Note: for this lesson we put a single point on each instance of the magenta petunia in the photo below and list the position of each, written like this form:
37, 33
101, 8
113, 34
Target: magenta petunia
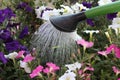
117, 52
116, 70
110, 48
51, 68
20, 54
104, 53
118, 79
36, 71
46, 70
85, 43
89, 68
28, 58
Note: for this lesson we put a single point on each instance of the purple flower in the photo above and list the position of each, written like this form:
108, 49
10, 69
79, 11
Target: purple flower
111, 16
2, 17
2, 58
21, 5
22, 47
25, 6
28, 9
5, 35
90, 22
12, 46
87, 4
24, 32
6, 13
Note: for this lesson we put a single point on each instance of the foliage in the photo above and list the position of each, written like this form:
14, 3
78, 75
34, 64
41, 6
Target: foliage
18, 24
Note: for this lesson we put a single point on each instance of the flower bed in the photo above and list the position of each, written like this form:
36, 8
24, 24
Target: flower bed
98, 52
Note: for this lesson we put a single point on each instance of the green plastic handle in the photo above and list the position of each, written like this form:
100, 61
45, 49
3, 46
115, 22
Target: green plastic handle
102, 10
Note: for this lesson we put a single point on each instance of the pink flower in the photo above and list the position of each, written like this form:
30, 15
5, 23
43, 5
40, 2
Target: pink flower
85, 43
118, 79
117, 52
116, 70
46, 70
86, 76
28, 58
104, 53
51, 68
89, 68
36, 71
20, 54
110, 48
80, 72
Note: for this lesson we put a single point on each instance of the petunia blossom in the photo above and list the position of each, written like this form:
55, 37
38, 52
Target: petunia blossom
117, 52
87, 4
73, 67
84, 43
47, 14
110, 48
25, 6
25, 66
6, 13
89, 68
80, 72
90, 22
103, 2
11, 55
5, 35
68, 76
28, 58
24, 32
118, 79
111, 16
91, 31
116, 70
51, 68
104, 53
12, 46
67, 9
2, 58
78, 7
20, 54
115, 25
36, 71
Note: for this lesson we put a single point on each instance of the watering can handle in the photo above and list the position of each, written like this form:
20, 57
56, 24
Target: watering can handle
104, 9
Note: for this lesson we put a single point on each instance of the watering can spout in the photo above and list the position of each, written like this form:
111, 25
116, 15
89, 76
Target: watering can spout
68, 23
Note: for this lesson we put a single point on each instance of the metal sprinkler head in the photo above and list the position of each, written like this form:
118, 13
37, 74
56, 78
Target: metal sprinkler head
67, 23
55, 40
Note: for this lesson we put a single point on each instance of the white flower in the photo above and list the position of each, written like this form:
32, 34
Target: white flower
115, 25
39, 10
91, 31
78, 7
48, 14
67, 9
25, 66
73, 67
103, 2
116, 20
68, 76
11, 55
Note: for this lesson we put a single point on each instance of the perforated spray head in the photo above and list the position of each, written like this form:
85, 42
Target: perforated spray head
68, 23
